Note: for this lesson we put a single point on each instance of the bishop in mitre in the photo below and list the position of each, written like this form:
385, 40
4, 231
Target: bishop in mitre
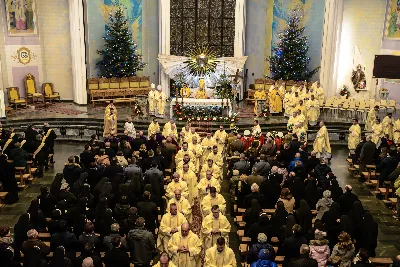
220, 255
185, 247
110, 120
161, 102
354, 135
214, 225
190, 178
170, 224
154, 127
182, 205
211, 200
176, 183
152, 99
321, 143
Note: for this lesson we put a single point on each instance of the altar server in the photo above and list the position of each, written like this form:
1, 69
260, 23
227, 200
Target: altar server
185, 247
130, 128
214, 225
170, 224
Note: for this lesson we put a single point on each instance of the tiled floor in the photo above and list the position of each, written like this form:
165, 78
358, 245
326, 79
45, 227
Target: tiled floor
389, 231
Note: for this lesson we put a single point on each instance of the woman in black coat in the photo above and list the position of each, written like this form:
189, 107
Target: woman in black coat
312, 193
336, 190
21, 228
304, 216
369, 237
8, 181
298, 190
331, 223
59, 259
278, 219
346, 225
104, 225
56, 185
36, 216
48, 202
356, 215
252, 214
263, 226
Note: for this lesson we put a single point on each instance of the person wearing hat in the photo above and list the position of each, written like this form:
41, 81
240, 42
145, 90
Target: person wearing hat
152, 99
371, 117
160, 100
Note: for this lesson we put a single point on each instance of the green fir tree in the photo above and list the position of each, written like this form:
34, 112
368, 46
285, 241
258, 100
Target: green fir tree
289, 60
120, 56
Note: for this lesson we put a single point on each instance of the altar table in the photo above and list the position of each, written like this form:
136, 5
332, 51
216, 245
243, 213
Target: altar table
200, 102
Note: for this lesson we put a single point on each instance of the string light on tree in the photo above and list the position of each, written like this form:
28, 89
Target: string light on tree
120, 56
289, 60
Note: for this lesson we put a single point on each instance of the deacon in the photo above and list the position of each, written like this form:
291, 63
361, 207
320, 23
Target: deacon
152, 99
214, 225
220, 137
176, 184
170, 224
321, 143
206, 183
220, 255
354, 136
182, 204
130, 128
190, 178
161, 101
211, 200
388, 123
185, 247
154, 127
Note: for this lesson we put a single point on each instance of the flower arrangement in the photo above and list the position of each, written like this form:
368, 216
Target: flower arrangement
201, 113
344, 91
223, 88
290, 128
136, 110
265, 113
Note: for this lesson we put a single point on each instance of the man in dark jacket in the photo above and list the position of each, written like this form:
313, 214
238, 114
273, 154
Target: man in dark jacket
134, 173
368, 152
107, 241
141, 244
32, 242
117, 257
88, 236
155, 177
71, 171
322, 169
346, 200
148, 210
291, 245
66, 239
109, 151
137, 142
243, 166
304, 260
255, 194
50, 137
19, 156
237, 145
312, 162
387, 166
263, 168
87, 156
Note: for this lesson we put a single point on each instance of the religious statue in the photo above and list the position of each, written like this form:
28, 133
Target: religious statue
110, 120
185, 91
201, 93
358, 78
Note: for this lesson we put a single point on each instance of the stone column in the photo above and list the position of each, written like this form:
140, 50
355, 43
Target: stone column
78, 51
164, 40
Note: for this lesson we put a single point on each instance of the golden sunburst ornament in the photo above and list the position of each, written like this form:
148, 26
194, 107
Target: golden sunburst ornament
202, 61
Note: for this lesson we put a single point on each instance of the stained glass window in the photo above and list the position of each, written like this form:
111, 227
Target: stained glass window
196, 23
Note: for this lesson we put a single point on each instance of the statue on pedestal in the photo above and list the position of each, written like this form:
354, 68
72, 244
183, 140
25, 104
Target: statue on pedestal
110, 120
358, 78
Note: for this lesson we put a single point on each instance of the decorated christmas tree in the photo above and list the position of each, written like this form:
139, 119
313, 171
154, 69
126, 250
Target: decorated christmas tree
289, 60
120, 55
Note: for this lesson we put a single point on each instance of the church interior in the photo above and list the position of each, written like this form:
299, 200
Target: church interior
200, 133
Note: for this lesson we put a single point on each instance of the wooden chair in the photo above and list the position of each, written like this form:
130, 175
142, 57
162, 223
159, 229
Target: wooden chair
134, 82
14, 98
124, 83
114, 83
104, 83
93, 84
49, 93
30, 89
144, 82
